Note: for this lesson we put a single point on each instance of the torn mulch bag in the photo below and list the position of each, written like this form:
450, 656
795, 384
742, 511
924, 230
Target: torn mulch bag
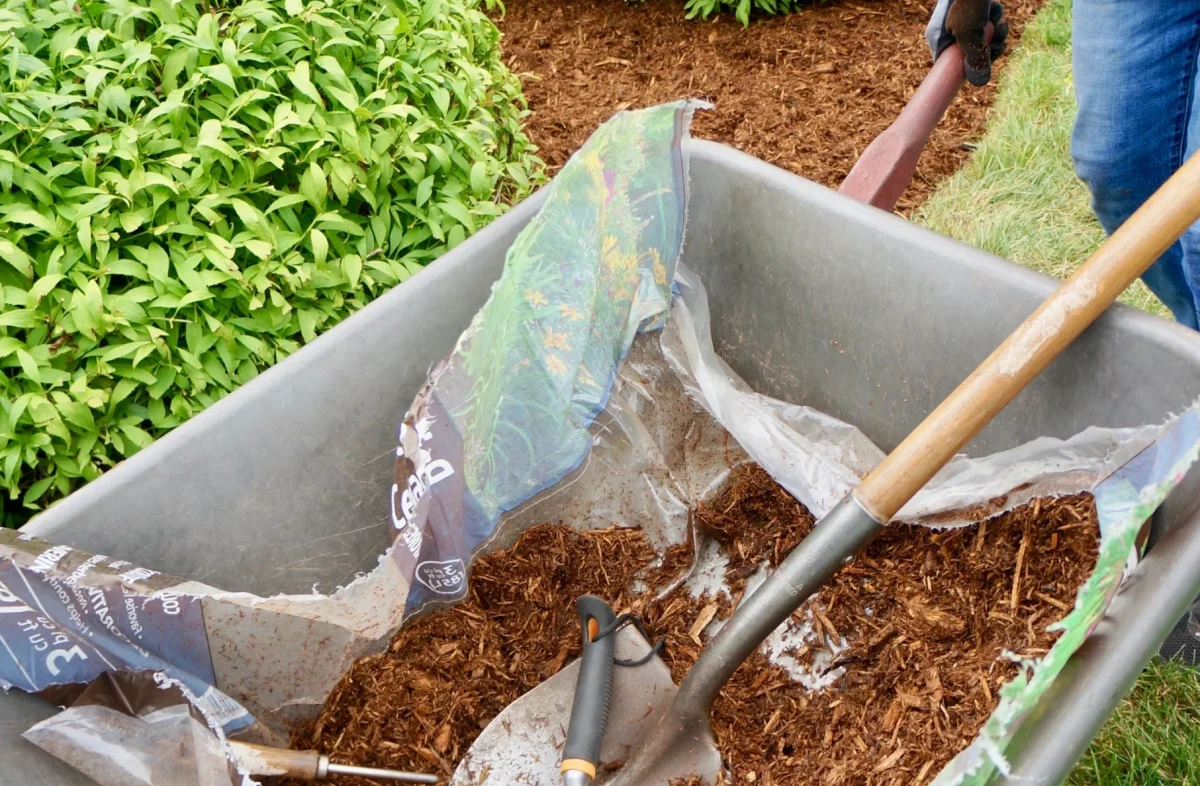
586, 391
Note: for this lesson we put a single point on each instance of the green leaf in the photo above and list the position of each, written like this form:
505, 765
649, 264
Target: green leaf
136, 435
301, 78
36, 490
114, 101
458, 212
223, 246
164, 382
189, 358
338, 223
95, 300
221, 73
210, 137
44, 285
18, 408
91, 83
78, 414
249, 216
308, 322
138, 374
29, 366
479, 179
206, 31
174, 65
84, 235
260, 248
286, 200
252, 343
121, 350
144, 352
313, 186
743, 12
16, 257
20, 318
81, 313
439, 153
88, 167
352, 268
120, 392
158, 264
320, 246
424, 190
441, 97
30, 218
195, 296
128, 267
131, 221
344, 97
331, 66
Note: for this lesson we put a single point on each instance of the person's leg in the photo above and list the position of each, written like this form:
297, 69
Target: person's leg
1190, 241
1135, 73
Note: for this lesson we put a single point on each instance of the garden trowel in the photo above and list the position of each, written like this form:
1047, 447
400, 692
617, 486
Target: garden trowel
537, 740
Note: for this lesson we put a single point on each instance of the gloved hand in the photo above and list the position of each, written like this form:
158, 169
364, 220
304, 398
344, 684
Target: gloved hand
964, 21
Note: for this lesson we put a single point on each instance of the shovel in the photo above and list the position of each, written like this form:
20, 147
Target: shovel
663, 734
681, 742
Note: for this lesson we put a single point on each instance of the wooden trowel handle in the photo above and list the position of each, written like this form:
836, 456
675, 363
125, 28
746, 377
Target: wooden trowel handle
1076, 303
262, 760
886, 167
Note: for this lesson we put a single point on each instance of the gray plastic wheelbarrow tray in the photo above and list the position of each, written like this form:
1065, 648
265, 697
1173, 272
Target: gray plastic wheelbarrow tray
816, 299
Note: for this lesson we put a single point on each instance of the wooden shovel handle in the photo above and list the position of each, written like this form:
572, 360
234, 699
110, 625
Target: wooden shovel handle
1040, 338
886, 167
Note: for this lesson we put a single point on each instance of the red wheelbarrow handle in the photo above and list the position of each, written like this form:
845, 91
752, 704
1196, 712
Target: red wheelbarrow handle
886, 167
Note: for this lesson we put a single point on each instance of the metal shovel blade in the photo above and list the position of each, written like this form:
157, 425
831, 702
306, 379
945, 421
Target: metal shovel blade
522, 745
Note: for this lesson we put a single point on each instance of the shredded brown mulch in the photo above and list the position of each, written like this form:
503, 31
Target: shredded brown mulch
926, 614
806, 91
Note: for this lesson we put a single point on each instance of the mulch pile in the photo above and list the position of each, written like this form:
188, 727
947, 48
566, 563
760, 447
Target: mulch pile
927, 615
806, 91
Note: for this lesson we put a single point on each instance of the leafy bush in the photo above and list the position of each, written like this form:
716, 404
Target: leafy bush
188, 192
741, 8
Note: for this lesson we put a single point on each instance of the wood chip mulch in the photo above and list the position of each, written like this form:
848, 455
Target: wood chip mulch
806, 91
926, 614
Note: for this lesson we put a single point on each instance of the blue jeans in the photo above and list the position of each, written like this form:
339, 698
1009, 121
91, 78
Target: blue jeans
1135, 64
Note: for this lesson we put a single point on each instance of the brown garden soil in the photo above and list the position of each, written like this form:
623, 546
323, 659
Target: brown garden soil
806, 91
927, 615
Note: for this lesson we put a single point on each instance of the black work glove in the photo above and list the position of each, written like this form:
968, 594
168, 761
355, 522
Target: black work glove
964, 21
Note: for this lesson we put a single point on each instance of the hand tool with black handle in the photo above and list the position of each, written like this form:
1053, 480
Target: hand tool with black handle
593, 690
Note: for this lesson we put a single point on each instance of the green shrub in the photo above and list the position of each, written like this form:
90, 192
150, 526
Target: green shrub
742, 8
189, 192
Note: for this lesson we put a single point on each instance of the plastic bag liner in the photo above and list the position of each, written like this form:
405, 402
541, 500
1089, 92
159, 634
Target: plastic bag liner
564, 400
137, 729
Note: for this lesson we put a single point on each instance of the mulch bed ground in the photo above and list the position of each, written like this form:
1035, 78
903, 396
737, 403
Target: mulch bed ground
806, 91
927, 616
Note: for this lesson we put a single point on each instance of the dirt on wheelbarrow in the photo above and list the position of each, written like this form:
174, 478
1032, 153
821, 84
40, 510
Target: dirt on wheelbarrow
918, 623
806, 91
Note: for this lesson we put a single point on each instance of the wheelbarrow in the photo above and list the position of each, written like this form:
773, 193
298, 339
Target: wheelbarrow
268, 490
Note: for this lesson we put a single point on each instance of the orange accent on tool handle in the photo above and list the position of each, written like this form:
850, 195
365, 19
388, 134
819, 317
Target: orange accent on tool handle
579, 765
1038, 340
886, 167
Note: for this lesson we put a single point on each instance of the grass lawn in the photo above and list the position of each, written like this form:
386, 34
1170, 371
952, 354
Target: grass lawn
1154, 737
1019, 198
